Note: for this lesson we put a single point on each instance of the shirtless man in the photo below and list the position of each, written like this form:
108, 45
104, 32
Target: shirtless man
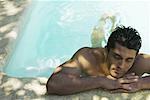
118, 67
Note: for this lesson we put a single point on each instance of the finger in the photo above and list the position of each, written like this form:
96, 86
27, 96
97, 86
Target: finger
130, 74
132, 77
123, 81
127, 87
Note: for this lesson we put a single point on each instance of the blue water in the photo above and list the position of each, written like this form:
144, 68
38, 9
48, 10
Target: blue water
50, 32
47, 38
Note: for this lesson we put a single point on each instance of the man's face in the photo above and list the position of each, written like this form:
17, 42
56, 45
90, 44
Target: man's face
121, 60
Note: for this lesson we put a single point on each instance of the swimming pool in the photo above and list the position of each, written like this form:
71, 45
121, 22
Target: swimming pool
51, 31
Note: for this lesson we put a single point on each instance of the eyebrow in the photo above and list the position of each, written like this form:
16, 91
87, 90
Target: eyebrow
130, 58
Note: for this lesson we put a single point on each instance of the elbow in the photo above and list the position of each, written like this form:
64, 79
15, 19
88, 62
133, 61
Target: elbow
53, 87
56, 89
50, 87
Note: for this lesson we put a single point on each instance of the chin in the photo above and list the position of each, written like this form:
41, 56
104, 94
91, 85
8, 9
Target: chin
116, 75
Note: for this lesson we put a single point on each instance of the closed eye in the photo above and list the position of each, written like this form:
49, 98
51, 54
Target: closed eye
116, 56
130, 60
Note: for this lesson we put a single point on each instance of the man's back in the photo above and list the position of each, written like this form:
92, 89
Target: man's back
93, 62
79, 72
89, 61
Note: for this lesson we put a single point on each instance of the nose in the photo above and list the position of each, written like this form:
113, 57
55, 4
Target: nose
121, 64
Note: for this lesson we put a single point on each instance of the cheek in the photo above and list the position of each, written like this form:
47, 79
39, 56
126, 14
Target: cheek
110, 58
113, 61
112, 66
128, 66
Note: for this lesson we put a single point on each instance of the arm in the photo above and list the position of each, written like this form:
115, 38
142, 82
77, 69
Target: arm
70, 78
142, 65
145, 68
141, 84
63, 83
145, 83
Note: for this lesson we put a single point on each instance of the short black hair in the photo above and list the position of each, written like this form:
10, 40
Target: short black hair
125, 36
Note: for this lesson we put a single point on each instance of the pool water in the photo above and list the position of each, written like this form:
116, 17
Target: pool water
50, 32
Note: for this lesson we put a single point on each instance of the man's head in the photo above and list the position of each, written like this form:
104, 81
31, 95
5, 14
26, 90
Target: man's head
123, 46
127, 37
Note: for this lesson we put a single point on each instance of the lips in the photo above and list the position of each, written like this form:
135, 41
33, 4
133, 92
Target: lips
117, 71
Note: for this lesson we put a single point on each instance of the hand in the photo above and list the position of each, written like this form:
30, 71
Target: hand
121, 84
132, 87
128, 78
129, 87
113, 83
129, 83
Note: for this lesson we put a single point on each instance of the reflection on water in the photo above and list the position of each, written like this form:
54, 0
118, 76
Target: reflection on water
102, 31
51, 31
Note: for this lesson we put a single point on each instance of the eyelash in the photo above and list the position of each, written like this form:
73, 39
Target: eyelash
116, 57
129, 60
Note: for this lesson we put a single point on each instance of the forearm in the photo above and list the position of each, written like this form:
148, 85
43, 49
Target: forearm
65, 84
145, 82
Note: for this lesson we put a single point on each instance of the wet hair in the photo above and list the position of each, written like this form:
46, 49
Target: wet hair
127, 37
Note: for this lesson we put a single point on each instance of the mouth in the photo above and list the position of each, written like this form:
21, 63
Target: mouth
117, 72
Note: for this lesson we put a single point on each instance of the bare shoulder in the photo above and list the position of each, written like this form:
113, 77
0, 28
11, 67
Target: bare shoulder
84, 61
142, 63
145, 62
90, 60
89, 55
96, 52
73, 66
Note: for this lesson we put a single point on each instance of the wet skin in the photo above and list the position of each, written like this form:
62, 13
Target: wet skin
120, 60
91, 68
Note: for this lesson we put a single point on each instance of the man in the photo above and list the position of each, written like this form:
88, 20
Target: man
118, 67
